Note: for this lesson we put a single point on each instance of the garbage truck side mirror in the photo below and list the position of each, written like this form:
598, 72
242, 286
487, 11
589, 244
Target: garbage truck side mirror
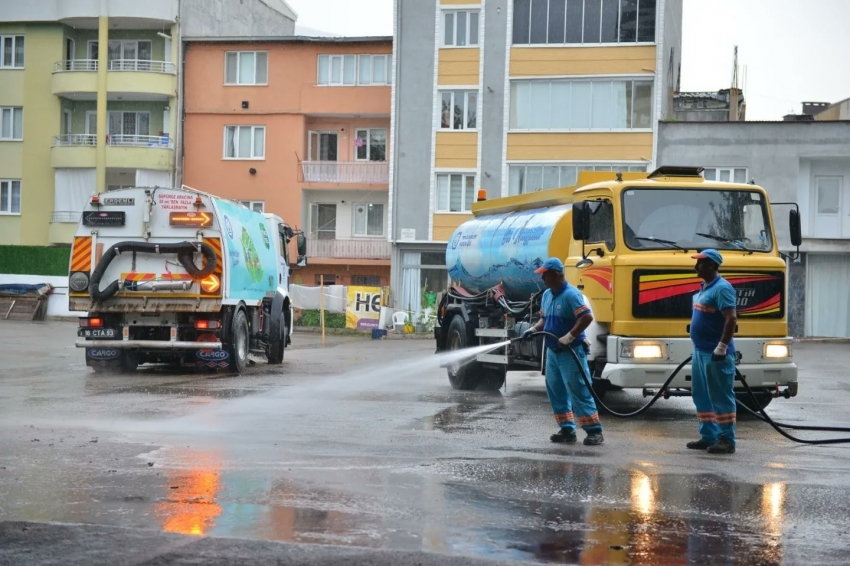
581, 221
796, 230
302, 250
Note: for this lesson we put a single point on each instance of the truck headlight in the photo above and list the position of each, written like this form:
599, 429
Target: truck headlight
777, 351
642, 350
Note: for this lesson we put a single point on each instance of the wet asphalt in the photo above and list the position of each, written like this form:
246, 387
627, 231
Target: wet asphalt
363, 444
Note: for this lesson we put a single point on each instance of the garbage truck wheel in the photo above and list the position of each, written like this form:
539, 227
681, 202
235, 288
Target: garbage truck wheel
463, 376
238, 347
277, 341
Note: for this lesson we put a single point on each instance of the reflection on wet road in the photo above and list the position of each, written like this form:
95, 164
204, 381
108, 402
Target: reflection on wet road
321, 453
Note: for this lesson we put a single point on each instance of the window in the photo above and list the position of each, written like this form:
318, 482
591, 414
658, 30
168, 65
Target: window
559, 22
255, 205
11, 51
828, 195
244, 142
371, 145
11, 123
369, 220
725, 174
602, 225
455, 192
10, 197
459, 110
246, 68
126, 124
323, 221
323, 146
327, 279
531, 177
606, 104
350, 70
460, 28
424, 275
366, 280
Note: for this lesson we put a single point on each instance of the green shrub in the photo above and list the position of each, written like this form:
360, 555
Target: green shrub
311, 318
34, 260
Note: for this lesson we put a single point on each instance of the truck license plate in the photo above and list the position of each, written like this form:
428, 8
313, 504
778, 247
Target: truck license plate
96, 332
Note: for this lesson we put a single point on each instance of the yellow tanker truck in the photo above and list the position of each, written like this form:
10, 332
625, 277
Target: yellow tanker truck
626, 240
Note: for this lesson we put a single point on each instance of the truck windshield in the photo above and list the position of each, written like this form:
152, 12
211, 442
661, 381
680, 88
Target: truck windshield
696, 218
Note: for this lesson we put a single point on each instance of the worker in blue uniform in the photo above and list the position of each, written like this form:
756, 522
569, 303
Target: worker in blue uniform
713, 382
565, 314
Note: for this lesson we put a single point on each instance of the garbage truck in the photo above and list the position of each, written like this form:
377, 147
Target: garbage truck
626, 240
179, 276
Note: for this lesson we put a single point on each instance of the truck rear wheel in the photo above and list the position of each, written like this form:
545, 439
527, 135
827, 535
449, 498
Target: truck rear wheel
470, 375
238, 347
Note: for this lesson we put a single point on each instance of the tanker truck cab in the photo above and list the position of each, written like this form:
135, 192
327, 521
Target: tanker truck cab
181, 277
626, 240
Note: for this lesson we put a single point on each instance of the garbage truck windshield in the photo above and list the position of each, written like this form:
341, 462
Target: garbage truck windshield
696, 218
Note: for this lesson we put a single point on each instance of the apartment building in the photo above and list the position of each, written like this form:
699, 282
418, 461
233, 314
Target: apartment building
515, 96
89, 92
298, 127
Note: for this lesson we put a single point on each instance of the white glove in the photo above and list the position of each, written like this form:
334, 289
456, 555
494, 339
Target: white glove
720, 350
566, 339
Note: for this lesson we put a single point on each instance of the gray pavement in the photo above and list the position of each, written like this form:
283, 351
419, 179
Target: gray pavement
363, 444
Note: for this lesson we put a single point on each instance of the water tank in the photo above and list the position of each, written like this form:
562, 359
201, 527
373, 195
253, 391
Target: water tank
506, 248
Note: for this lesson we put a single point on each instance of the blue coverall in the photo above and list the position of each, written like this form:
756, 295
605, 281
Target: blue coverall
568, 393
713, 383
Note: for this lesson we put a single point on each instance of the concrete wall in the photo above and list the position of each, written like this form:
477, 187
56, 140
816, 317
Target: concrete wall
494, 96
414, 87
671, 46
227, 18
773, 152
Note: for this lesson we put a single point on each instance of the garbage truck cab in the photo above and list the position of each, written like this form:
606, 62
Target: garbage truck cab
179, 276
626, 243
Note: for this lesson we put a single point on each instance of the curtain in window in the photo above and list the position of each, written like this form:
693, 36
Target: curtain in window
375, 225
411, 293
246, 68
230, 141
244, 142
73, 188
152, 178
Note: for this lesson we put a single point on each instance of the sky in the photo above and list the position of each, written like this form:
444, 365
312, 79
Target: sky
788, 50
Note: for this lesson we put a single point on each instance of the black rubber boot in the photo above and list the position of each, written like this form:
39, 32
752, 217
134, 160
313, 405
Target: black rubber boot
594, 439
564, 436
698, 444
723, 446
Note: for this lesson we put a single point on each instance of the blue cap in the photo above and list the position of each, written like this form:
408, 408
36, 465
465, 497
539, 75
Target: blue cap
713, 255
551, 264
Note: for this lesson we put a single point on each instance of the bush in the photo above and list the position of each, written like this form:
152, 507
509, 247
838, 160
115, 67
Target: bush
34, 260
311, 318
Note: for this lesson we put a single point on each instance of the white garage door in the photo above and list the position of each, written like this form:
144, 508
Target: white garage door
828, 295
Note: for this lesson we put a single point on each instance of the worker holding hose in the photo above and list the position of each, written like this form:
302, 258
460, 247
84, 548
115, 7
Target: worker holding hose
713, 387
565, 314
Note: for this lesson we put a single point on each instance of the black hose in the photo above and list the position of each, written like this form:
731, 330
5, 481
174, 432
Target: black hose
185, 255
764, 417
599, 402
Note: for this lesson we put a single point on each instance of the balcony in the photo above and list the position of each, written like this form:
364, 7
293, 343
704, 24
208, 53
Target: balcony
125, 151
346, 172
155, 80
348, 249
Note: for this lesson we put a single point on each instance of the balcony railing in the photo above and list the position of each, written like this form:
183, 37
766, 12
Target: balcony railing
75, 139
366, 172
138, 65
348, 249
161, 142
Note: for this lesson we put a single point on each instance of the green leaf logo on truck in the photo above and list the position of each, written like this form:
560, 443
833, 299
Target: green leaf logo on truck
252, 259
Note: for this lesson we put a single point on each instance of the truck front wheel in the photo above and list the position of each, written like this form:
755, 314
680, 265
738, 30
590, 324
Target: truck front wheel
470, 375
238, 347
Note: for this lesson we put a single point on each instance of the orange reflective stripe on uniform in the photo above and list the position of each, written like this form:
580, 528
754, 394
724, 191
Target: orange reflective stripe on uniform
726, 418
564, 418
81, 254
707, 417
589, 420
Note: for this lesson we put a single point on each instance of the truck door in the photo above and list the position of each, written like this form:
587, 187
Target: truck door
283, 259
597, 280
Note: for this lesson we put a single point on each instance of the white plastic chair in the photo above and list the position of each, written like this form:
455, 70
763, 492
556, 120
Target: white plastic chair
400, 318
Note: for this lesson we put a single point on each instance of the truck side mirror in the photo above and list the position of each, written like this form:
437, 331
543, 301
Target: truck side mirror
581, 221
302, 245
796, 230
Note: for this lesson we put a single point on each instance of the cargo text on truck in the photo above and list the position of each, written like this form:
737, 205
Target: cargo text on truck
134, 269
626, 240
